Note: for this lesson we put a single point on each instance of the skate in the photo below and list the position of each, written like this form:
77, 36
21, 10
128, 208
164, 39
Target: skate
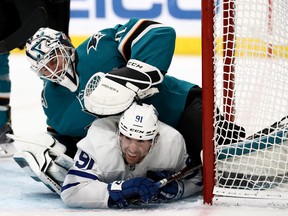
7, 148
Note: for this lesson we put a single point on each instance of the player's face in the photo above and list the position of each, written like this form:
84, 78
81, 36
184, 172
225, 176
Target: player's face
134, 150
55, 66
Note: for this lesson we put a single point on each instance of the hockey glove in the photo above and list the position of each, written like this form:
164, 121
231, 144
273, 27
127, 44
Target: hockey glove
172, 191
122, 192
114, 92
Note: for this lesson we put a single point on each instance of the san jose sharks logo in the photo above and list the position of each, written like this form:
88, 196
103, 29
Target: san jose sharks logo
94, 40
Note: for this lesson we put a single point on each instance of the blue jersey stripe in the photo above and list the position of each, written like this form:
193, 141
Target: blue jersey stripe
82, 174
64, 187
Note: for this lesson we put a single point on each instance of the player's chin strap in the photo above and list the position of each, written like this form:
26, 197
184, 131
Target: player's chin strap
112, 93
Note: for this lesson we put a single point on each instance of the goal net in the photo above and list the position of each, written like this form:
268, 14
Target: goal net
245, 100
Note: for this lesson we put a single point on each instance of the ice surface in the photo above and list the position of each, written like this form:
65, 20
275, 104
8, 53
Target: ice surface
21, 195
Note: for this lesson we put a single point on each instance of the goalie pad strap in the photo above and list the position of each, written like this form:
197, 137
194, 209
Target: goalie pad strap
153, 72
125, 74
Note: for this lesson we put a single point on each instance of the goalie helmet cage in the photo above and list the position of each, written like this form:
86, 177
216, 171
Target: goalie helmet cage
244, 82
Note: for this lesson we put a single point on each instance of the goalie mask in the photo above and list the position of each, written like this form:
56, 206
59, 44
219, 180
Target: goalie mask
52, 57
139, 122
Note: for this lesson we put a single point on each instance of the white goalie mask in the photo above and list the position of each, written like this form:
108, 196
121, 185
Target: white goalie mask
52, 57
139, 122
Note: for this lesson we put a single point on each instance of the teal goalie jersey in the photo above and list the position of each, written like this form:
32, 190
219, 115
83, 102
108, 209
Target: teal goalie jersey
109, 49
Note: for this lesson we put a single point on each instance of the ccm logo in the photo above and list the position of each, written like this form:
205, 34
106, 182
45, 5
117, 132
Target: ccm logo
135, 65
136, 131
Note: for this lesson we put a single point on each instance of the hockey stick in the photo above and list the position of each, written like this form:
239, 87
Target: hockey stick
181, 174
243, 172
35, 21
265, 138
189, 169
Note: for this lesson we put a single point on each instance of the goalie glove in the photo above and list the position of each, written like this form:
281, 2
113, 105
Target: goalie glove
112, 93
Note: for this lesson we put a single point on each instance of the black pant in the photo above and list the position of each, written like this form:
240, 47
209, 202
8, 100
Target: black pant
13, 13
190, 124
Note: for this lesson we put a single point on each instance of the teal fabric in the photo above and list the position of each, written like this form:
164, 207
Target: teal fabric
5, 88
107, 50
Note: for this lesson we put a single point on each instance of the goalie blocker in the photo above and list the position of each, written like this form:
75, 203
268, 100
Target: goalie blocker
112, 93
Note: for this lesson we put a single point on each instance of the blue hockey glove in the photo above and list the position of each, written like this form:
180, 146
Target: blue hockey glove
122, 192
172, 191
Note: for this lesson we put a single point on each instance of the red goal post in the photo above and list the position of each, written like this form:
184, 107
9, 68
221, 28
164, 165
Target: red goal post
244, 81
208, 99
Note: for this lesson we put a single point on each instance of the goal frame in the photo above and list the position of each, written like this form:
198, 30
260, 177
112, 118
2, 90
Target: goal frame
208, 81
207, 99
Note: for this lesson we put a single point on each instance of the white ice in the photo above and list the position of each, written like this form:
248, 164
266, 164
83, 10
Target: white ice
21, 195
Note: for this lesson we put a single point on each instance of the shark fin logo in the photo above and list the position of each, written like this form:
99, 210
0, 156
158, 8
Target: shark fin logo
94, 40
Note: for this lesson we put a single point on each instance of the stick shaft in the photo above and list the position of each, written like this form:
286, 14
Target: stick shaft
181, 174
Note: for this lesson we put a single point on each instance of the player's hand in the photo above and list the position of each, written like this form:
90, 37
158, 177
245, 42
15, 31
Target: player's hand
122, 192
171, 191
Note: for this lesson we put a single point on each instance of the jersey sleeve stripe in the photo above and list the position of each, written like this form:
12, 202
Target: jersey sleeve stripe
65, 187
139, 27
82, 174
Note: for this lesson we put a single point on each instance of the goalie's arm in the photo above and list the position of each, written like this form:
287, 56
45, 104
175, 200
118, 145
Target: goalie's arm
148, 47
147, 41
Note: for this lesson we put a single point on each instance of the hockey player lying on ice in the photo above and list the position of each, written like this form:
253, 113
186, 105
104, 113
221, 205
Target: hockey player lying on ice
125, 161
132, 61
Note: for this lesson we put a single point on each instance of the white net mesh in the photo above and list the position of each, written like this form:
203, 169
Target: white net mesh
251, 90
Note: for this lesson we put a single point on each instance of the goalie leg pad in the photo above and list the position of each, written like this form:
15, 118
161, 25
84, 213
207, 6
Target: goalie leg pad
7, 149
44, 161
57, 172
52, 176
29, 164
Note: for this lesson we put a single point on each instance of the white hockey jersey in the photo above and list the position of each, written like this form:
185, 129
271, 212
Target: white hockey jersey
99, 161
